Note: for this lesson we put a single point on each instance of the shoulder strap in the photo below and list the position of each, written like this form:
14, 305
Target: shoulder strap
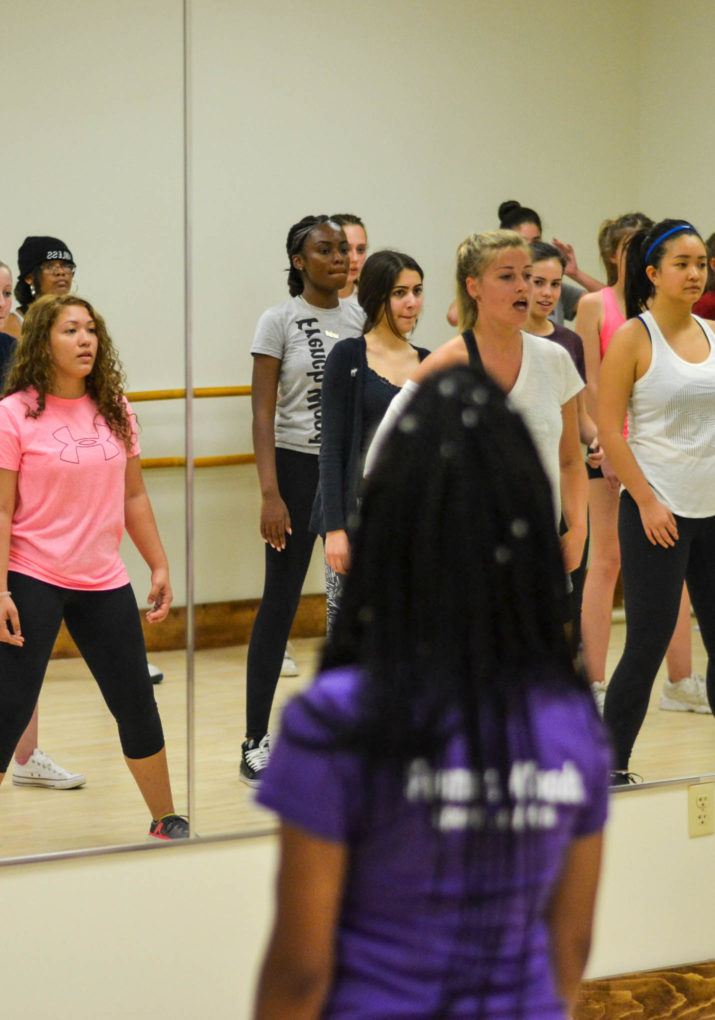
475, 359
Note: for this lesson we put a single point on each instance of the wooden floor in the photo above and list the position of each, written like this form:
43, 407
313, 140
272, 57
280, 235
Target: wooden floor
679, 993
77, 730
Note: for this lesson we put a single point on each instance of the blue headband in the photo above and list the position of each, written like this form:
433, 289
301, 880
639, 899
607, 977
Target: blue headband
673, 230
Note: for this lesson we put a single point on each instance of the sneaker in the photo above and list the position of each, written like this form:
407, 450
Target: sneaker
41, 770
599, 695
254, 758
686, 695
621, 777
289, 666
155, 673
170, 827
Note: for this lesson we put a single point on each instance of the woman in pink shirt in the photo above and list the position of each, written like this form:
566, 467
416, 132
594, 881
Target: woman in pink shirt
70, 483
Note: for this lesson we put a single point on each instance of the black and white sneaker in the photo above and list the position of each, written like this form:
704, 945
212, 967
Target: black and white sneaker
621, 777
170, 827
254, 758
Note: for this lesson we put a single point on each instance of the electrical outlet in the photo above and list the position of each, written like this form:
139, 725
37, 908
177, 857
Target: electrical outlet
701, 809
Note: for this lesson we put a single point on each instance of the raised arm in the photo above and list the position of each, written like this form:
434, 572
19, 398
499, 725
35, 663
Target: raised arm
9, 620
298, 965
275, 519
625, 361
572, 270
141, 528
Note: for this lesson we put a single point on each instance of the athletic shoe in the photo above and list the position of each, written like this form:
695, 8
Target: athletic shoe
599, 695
41, 770
170, 827
289, 666
686, 695
621, 777
254, 758
155, 673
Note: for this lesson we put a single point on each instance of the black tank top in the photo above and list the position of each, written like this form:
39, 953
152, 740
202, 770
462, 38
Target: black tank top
475, 358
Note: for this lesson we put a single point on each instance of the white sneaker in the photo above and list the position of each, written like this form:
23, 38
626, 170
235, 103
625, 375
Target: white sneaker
290, 666
41, 770
155, 673
599, 695
686, 695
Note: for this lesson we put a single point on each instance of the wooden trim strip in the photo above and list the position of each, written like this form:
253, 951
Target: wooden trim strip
676, 993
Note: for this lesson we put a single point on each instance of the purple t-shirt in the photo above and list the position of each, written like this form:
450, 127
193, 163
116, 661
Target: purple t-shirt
443, 902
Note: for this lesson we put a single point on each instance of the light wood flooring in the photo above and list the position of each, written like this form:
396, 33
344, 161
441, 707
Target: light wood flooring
77, 730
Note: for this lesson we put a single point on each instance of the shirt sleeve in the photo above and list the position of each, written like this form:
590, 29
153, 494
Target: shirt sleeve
571, 381
269, 337
135, 448
335, 439
308, 782
10, 447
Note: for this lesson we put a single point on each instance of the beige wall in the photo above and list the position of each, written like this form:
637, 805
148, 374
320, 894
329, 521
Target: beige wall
180, 930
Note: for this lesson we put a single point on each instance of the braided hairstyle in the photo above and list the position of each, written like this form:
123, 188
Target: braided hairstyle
297, 236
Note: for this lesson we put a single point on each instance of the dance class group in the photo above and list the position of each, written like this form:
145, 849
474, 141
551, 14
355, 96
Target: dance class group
442, 784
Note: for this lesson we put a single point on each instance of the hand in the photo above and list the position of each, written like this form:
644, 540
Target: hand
572, 543
337, 551
569, 254
609, 474
161, 596
10, 623
595, 455
275, 522
658, 523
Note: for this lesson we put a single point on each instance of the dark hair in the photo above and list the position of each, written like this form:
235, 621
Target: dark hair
377, 278
297, 236
646, 248
348, 219
455, 598
512, 214
610, 235
32, 364
26, 293
710, 247
541, 250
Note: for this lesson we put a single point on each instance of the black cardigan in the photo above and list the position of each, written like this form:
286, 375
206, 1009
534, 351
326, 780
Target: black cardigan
342, 434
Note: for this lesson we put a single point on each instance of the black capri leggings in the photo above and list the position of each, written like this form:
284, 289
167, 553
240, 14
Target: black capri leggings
107, 630
285, 573
652, 585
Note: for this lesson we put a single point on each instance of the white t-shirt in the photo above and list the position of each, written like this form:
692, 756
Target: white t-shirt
301, 336
547, 380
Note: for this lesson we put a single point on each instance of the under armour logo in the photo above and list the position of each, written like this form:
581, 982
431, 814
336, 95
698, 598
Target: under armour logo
71, 446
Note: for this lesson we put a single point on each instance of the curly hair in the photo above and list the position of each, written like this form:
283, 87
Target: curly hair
33, 367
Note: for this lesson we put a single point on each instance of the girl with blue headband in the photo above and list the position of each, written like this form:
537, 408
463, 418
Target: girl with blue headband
660, 367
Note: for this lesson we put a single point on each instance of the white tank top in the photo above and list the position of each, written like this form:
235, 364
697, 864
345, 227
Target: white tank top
671, 415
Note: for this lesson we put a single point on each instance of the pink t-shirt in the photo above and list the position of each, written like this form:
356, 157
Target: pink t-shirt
69, 514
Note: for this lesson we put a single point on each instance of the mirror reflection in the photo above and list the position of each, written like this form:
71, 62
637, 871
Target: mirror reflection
437, 131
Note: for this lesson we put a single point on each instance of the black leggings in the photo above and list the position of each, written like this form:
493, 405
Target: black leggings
285, 573
652, 585
107, 630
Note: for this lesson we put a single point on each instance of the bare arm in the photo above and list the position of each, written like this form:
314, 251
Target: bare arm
572, 270
626, 359
574, 487
275, 519
9, 620
141, 528
298, 965
570, 916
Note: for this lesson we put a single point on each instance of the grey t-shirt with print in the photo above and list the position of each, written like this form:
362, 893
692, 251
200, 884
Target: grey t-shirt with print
301, 336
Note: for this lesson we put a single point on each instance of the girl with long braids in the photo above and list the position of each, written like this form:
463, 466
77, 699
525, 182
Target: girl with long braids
291, 343
442, 785
660, 369
70, 483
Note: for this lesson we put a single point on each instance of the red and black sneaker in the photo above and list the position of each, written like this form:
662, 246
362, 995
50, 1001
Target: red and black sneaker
170, 827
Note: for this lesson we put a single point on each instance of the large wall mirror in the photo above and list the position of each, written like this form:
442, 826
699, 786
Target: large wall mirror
420, 117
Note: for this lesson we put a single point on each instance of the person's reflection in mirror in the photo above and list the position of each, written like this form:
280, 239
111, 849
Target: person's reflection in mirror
31, 766
660, 366
70, 483
442, 786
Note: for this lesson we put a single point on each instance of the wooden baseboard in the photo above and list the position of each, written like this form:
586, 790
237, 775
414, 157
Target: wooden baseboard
677, 993
216, 625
